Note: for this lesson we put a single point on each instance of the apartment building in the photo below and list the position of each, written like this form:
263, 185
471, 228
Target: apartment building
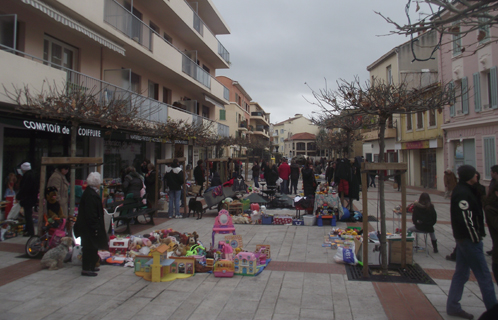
303, 143
236, 114
469, 63
285, 129
259, 124
161, 53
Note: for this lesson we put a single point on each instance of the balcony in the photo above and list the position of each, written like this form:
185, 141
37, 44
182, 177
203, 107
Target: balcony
243, 126
259, 117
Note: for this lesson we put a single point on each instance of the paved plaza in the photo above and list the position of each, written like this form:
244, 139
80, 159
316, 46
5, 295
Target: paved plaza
301, 282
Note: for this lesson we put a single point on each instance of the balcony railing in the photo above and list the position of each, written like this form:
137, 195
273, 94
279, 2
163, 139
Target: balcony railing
223, 52
223, 130
192, 69
257, 114
123, 20
226, 93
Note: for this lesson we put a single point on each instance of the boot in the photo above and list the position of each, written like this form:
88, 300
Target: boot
434, 245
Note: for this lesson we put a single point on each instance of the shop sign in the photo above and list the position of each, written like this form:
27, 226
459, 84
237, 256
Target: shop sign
60, 129
416, 145
151, 139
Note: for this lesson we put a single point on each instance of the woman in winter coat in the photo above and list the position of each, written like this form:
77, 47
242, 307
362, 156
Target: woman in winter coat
450, 182
491, 211
271, 176
309, 182
255, 174
90, 225
424, 218
58, 180
150, 185
199, 175
133, 183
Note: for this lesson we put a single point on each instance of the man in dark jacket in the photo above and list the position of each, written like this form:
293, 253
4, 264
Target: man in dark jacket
467, 221
175, 179
255, 174
294, 176
27, 196
199, 175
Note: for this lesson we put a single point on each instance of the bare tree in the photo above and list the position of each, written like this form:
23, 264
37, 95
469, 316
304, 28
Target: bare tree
380, 100
458, 18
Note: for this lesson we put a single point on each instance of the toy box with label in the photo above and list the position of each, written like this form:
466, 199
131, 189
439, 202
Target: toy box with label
298, 222
119, 245
282, 220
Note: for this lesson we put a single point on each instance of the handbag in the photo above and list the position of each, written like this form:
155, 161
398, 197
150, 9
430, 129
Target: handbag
279, 181
14, 212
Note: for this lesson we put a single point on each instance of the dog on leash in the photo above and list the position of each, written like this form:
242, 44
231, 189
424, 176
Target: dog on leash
54, 257
196, 206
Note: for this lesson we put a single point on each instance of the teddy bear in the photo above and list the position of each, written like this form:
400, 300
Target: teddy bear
192, 240
180, 251
54, 209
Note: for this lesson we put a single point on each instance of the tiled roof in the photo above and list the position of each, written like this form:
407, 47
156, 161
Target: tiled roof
303, 136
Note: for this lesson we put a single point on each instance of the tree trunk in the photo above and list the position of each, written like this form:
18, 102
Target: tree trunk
382, 203
74, 130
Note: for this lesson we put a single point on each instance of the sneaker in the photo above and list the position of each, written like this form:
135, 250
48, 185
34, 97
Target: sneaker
461, 314
171, 217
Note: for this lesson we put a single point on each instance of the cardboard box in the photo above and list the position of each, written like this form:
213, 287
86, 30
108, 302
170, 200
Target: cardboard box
282, 220
395, 252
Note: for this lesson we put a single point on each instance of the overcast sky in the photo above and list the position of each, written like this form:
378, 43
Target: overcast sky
277, 45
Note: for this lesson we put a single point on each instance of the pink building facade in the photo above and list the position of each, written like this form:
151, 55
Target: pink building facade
470, 125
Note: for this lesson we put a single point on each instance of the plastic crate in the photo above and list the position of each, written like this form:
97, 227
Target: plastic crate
309, 220
267, 220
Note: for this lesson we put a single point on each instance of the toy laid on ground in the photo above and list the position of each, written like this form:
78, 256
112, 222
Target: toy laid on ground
222, 225
224, 269
160, 268
54, 258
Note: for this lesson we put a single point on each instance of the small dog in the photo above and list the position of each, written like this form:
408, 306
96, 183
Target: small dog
196, 206
54, 257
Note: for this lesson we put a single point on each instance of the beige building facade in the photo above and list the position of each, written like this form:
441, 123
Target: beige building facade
285, 129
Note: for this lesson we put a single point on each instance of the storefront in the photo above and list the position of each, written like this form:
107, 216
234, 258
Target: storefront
30, 139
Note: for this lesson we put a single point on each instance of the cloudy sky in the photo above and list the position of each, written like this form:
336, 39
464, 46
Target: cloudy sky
276, 46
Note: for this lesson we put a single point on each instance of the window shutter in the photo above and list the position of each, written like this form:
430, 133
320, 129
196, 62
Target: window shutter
489, 156
465, 96
222, 115
494, 88
452, 107
477, 92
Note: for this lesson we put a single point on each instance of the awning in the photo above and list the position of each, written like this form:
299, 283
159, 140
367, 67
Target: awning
65, 20
216, 103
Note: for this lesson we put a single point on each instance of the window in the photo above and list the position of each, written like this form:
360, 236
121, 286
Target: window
456, 107
492, 89
206, 68
311, 146
300, 146
135, 83
154, 27
153, 90
489, 155
483, 31
420, 120
457, 39
281, 139
389, 75
432, 118
237, 98
167, 95
59, 53
409, 122
167, 38
281, 131
222, 114
205, 112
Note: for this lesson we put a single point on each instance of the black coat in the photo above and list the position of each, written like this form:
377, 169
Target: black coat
294, 171
174, 178
199, 175
28, 190
150, 186
133, 184
424, 217
467, 217
90, 221
309, 182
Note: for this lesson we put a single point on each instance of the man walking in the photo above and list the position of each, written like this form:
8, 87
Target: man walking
467, 222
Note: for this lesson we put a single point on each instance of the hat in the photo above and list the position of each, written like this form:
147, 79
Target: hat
466, 172
26, 166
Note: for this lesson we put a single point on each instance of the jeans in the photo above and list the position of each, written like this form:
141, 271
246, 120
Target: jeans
372, 181
494, 267
256, 181
284, 187
470, 256
28, 216
174, 200
294, 185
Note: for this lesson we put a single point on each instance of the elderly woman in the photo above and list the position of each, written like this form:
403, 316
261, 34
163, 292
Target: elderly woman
90, 225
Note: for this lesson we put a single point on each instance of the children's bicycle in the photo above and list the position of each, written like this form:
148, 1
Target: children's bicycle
51, 238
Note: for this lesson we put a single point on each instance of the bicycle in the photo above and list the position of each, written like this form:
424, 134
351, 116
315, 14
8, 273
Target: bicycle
36, 246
